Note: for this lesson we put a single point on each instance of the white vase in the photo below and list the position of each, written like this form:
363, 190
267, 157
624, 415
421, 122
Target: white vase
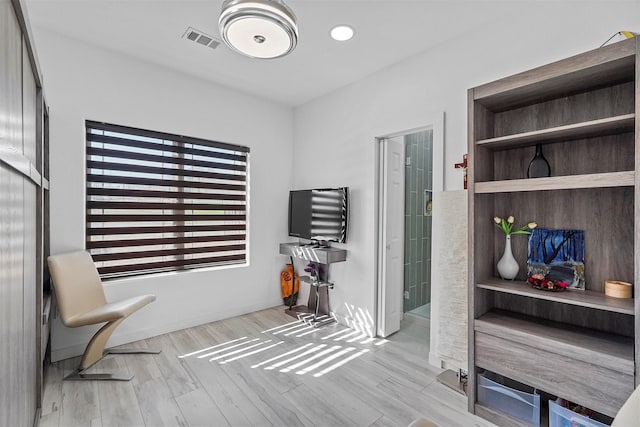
508, 266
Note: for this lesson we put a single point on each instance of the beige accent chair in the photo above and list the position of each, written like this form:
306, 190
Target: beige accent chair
629, 414
81, 302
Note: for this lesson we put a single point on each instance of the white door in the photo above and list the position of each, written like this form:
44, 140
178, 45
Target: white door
392, 236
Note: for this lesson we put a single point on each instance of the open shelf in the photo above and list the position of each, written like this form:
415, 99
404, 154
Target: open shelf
606, 126
589, 299
606, 65
604, 349
569, 182
314, 282
322, 255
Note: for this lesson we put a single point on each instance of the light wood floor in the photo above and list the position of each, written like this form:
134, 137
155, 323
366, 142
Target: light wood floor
262, 369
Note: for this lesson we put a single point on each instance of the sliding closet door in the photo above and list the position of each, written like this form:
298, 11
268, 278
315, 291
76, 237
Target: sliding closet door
19, 180
30, 284
13, 408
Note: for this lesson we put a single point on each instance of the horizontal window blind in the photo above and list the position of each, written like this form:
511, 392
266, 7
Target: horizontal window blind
160, 202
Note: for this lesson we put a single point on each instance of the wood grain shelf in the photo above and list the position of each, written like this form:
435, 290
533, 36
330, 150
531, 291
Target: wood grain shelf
606, 126
602, 349
606, 65
580, 363
588, 299
569, 182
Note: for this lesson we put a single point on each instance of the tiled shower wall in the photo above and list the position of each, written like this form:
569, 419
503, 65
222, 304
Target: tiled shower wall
417, 249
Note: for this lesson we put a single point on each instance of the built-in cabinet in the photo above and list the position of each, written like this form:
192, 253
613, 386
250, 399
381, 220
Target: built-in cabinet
23, 213
578, 345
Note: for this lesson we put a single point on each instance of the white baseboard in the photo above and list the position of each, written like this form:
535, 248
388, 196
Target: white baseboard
445, 363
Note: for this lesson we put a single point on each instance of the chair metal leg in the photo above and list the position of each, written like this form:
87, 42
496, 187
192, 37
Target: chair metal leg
95, 351
132, 351
79, 375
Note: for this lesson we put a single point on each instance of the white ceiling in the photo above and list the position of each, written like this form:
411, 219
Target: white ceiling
386, 32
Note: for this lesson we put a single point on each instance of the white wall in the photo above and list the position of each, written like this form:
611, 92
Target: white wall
334, 135
86, 82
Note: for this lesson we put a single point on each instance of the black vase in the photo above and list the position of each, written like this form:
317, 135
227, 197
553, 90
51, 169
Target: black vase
538, 167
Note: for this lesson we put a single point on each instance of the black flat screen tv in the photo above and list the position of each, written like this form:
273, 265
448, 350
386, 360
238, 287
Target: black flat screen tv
319, 214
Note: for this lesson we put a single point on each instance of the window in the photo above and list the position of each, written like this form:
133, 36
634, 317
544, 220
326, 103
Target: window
160, 202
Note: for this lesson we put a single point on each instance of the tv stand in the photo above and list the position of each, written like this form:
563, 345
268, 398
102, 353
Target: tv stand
316, 313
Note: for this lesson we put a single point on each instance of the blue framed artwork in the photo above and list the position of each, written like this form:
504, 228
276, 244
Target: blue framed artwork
557, 255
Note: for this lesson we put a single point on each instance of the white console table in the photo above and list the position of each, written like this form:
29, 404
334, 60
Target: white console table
316, 312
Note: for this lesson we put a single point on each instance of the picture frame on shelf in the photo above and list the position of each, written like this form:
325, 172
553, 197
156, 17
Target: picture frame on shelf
557, 255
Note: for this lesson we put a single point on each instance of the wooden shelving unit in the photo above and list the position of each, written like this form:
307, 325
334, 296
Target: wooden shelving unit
579, 345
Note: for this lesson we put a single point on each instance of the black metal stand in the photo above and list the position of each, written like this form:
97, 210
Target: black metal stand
316, 312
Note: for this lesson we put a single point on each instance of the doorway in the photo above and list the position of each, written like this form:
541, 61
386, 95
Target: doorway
418, 203
409, 171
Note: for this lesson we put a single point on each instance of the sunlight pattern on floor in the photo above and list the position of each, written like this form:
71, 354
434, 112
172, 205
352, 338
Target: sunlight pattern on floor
325, 361
210, 348
314, 358
242, 356
265, 362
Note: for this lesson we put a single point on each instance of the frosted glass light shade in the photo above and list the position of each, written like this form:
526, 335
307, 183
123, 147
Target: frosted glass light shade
258, 28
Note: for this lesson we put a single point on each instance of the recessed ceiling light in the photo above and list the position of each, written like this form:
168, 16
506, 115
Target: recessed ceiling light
341, 33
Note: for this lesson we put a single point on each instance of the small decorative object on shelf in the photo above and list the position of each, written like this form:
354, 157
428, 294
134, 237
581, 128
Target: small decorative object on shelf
557, 255
428, 202
315, 270
618, 289
463, 166
620, 35
538, 167
538, 281
508, 266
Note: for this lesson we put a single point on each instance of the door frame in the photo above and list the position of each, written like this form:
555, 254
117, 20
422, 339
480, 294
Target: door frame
436, 124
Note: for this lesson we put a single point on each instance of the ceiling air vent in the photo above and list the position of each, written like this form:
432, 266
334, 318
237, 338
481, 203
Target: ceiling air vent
201, 38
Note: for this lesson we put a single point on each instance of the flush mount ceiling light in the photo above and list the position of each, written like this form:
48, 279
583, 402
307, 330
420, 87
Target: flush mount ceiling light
258, 28
342, 33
